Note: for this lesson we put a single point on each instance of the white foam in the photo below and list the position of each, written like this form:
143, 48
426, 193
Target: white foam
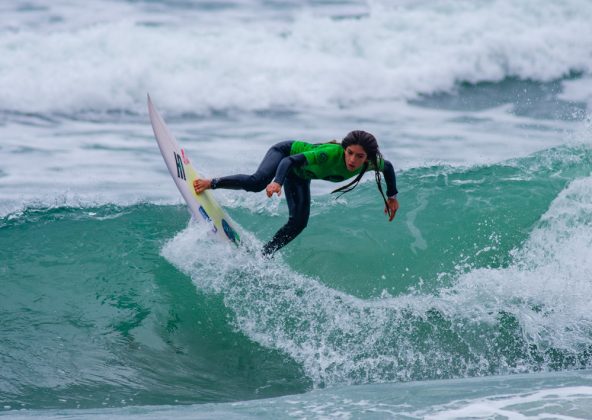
557, 403
548, 287
309, 60
578, 90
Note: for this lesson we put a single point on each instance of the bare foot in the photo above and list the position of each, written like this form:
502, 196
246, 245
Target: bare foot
200, 185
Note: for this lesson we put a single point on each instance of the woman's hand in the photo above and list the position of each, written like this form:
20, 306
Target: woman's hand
273, 188
392, 205
200, 185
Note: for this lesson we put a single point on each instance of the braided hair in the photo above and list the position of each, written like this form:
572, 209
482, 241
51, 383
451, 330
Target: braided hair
370, 146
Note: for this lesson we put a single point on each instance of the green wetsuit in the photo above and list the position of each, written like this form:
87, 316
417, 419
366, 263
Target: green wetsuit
326, 161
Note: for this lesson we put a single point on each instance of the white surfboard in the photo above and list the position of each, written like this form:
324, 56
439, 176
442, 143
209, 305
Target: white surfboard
203, 206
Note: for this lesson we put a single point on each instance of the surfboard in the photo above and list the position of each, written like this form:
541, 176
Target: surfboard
202, 206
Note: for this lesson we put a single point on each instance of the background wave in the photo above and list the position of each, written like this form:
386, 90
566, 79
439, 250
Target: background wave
105, 62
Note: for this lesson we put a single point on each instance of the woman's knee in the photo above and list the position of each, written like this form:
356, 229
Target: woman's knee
282, 147
298, 223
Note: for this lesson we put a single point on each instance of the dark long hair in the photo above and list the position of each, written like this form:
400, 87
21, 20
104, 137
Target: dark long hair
370, 146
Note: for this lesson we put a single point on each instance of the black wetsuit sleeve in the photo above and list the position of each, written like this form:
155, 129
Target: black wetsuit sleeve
391, 180
286, 164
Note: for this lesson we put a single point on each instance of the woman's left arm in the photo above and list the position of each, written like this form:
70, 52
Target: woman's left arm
287, 163
392, 204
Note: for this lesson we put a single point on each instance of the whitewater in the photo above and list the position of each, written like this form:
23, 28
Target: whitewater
473, 303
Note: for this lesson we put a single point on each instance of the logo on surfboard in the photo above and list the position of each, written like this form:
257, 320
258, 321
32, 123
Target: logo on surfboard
230, 233
207, 218
180, 167
184, 157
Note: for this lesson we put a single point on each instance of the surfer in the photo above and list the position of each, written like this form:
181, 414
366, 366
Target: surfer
292, 165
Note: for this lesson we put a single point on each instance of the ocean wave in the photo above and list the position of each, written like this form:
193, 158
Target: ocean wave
497, 286
310, 60
525, 314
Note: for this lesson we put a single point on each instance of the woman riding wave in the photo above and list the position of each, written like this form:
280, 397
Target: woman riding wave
293, 164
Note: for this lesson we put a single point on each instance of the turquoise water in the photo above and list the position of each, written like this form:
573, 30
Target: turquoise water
105, 306
564, 395
473, 303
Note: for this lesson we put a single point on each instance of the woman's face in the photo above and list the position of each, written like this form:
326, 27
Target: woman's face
355, 156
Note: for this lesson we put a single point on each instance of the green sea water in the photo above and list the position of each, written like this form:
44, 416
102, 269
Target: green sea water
111, 306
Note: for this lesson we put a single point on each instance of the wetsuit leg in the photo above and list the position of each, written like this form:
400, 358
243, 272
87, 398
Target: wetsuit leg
262, 177
297, 191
